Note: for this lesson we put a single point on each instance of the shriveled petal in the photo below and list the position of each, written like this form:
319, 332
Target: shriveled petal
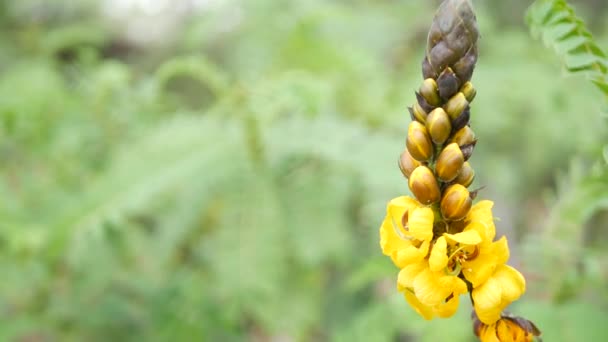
512, 282
487, 300
420, 223
478, 270
500, 248
408, 274
467, 237
488, 333
439, 255
423, 310
447, 309
509, 331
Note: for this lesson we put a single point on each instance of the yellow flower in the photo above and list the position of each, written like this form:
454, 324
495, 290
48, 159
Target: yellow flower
406, 232
507, 329
502, 288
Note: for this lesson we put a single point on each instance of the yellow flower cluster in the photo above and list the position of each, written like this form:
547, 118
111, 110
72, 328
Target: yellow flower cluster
437, 268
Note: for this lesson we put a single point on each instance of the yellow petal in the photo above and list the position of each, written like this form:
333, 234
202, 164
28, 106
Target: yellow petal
447, 309
432, 288
390, 242
420, 223
404, 202
411, 254
439, 255
512, 282
478, 270
487, 300
423, 310
467, 237
482, 213
408, 274
500, 248
428, 289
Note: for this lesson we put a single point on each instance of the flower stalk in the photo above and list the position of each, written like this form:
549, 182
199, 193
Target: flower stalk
443, 244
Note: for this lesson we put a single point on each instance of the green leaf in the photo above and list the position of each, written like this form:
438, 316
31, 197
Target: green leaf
560, 28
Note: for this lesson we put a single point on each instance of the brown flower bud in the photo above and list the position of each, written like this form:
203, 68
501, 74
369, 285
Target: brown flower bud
463, 136
456, 105
429, 91
466, 175
462, 119
424, 186
469, 91
407, 164
418, 142
447, 84
417, 113
449, 162
455, 203
439, 126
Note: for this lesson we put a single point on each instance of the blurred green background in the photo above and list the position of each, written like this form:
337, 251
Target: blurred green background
217, 170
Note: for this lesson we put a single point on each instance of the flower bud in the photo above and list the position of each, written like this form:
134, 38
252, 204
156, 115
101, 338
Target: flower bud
463, 136
427, 107
417, 113
456, 105
418, 142
462, 119
429, 91
456, 203
449, 162
447, 84
469, 91
438, 125
424, 186
407, 164
466, 175
467, 150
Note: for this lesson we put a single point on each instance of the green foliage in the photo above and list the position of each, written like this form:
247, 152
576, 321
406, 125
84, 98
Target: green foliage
560, 28
226, 182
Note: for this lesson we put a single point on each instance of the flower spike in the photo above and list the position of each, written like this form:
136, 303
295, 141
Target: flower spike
451, 246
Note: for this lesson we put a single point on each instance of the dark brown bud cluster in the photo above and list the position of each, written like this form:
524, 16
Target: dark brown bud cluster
440, 140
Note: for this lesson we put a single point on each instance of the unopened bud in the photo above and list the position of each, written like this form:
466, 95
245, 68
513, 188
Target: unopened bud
449, 162
423, 103
467, 150
456, 105
407, 164
429, 91
466, 175
417, 113
439, 126
469, 91
447, 84
424, 186
418, 142
456, 203
463, 136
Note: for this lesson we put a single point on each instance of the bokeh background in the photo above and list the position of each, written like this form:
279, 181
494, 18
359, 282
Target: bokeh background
217, 170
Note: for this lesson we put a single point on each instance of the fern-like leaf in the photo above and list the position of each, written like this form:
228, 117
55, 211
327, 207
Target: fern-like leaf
556, 22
